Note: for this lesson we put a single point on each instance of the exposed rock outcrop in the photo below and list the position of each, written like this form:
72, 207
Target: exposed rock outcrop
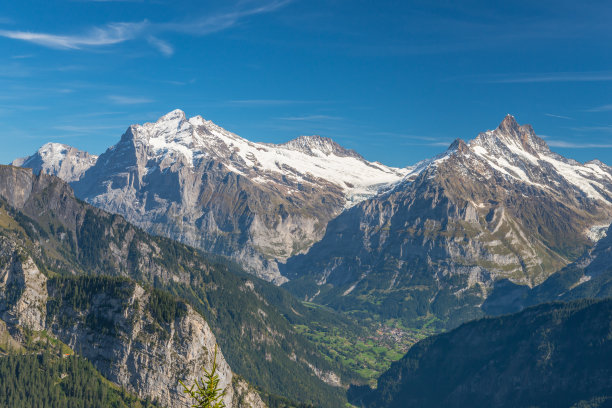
114, 324
60, 160
251, 319
193, 181
23, 288
502, 206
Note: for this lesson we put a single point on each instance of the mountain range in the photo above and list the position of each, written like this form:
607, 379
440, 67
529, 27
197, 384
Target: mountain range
490, 226
132, 303
191, 180
502, 206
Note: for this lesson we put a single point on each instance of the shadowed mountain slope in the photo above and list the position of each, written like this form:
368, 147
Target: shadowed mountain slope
552, 355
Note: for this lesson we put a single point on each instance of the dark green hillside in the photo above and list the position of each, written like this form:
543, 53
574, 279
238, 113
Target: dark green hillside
50, 381
552, 355
252, 320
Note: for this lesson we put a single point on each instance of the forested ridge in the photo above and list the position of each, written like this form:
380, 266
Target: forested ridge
253, 320
47, 380
553, 355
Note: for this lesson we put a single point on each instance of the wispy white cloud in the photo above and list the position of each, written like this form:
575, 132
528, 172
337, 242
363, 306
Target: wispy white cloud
85, 129
14, 107
444, 144
605, 128
412, 137
221, 21
552, 115
601, 76
98, 36
128, 100
119, 32
14, 70
574, 145
311, 118
108, 1
161, 45
266, 102
602, 108
179, 83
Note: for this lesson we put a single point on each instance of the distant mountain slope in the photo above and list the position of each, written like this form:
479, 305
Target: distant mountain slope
502, 206
589, 277
191, 180
249, 317
553, 355
59, 160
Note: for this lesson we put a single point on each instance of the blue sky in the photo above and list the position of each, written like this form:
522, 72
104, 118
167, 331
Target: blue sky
395, 80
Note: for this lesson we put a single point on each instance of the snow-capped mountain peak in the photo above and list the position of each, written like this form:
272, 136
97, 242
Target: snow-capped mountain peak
319, 146
192, 180
175, 140
517, 154
511, 137
176, 114
58, 159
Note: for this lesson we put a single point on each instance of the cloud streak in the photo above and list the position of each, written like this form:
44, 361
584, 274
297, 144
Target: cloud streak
606, 129
99, 36
267, 102
552, 115
128, 100
311, 118
119, 32
573, 145
85, 128
413, 137
161, 45
604, 76
221, 21
603, 108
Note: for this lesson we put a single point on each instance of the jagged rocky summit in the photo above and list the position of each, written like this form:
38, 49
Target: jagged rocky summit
432, 238
195, 182
502, 206
63, 161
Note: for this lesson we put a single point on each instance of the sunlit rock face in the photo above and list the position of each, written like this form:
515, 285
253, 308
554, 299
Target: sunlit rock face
502, 206
191, 180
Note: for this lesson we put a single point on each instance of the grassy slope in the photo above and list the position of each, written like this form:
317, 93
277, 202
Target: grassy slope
552, 355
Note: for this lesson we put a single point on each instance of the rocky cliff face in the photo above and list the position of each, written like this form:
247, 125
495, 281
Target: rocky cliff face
502, 206
251, 319
191, 180
23, 289
588, 277
59, 160
119, 326
146, 353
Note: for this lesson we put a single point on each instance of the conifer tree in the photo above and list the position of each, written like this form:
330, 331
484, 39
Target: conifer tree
205, 391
